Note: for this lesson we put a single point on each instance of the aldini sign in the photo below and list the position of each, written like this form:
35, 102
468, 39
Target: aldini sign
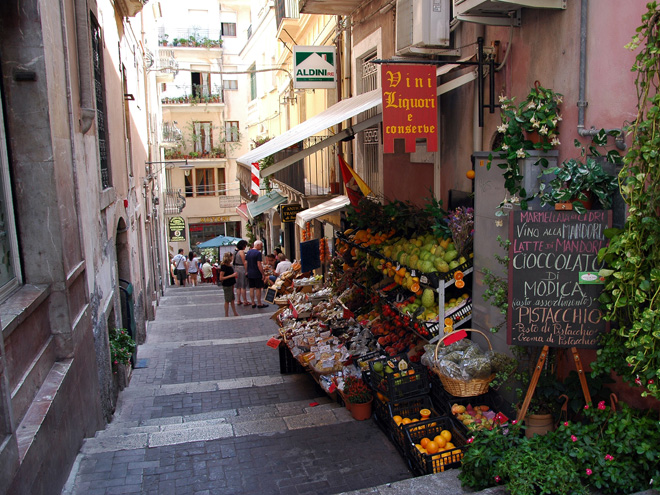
314, 67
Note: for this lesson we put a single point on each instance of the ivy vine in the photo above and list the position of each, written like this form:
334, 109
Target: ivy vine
632, 278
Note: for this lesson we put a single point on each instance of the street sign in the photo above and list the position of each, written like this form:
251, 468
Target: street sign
315, 67
288, 212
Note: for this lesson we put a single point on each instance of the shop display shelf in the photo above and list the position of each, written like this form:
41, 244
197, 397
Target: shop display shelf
401, 386
288, 364
434, 463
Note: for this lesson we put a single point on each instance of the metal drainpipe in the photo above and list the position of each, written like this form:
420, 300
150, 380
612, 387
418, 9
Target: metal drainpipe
582, 103
346, 93
477, 132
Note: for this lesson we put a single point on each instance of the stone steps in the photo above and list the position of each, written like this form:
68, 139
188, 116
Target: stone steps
271, 419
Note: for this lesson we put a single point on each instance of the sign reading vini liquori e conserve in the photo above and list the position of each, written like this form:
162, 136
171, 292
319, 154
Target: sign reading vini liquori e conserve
314, 67
410, 108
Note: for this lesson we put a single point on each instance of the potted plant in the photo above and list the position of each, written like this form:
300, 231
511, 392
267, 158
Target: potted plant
162, 39
579, 180
358, 395
538, 113
122, 347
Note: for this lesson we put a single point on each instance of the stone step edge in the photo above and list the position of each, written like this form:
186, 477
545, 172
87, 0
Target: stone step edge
231, 416
215, 429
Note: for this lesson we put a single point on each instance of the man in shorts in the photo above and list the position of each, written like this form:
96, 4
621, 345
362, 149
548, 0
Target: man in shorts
180, 263
255, 273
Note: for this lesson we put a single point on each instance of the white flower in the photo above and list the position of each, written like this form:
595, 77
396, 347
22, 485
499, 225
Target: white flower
555, 141
558, 99
499, 223
543, 130
536, 125
558, 118
514, 200
531, 105
505, 146
504, 106
502, 128
532, 120
502, 98
554, 122
521, 153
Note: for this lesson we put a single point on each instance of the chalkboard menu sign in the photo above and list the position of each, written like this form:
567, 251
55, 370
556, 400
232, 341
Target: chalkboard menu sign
270, 295
310, 255
553, 278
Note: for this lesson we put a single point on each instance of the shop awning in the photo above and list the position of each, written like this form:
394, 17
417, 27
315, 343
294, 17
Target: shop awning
330, 206
242, 210
265, 203
339, 112
221, 240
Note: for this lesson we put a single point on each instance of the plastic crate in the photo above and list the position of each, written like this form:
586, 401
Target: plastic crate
443, 401
400, 385
288, 364
380, 413
434, 463
406, 409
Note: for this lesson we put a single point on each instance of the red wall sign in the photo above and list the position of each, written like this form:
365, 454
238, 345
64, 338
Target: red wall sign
410, 106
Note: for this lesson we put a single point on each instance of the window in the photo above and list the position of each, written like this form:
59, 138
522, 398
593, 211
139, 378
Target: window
97, 60
222, 185
231, 131
10, 262
228, 28
229, 84
205, 181
253, 82
200, 83
202, 137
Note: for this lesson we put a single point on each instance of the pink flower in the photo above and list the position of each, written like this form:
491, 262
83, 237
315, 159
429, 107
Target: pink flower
116, 362
608, 457
601, 405
497, 479
565, 423
515, 421
650, 382
589, 472
470, 440
638, 381
574, 438
586, 406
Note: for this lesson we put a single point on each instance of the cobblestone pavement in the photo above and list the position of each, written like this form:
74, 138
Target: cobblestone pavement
208, 412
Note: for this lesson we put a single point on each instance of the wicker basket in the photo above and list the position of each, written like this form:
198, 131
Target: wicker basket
461, 388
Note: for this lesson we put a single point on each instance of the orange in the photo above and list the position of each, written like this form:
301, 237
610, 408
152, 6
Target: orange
460, 284
424, 441
397, 419
449, 322
414, 420
406, 421
458, 275
440, 441
425, 413
432, 447
470, 174
446, 434
414, 288
449, 446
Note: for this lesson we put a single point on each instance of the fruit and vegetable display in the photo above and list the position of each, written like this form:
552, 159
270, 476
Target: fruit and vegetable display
477, 417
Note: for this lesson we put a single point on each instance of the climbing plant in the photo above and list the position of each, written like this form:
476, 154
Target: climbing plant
630, 297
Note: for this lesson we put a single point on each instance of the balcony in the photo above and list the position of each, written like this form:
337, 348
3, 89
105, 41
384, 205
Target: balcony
174, 202
287, 15
189, 38
316, 175
194, 99
171, 135
131, 8
330, 7
166, 66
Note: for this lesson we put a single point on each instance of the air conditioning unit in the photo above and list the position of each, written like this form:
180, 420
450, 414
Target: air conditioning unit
482, 10
422, 24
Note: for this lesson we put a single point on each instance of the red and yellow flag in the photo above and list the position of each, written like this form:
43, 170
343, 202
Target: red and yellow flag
356, 188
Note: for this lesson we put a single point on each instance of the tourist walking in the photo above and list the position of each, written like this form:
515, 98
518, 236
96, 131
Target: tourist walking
228, 279
241, 277
255, 273
193, 268
181, 266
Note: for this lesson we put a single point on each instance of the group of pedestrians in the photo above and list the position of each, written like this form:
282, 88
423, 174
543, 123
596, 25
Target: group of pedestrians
241, 273
186, 270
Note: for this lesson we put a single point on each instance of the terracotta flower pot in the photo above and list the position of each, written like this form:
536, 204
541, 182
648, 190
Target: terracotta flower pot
360, 412
538, 424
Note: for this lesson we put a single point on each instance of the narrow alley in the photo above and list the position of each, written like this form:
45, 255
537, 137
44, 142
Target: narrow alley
207, 411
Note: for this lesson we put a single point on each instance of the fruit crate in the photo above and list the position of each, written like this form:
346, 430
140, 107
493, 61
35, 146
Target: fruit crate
434, 463
444, 401
380, 414
406, 409
288, 364
400, 384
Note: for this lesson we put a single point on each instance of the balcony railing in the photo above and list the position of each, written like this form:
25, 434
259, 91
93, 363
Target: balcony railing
286, 9
193, 99
171, 133
190, 37
316, 175
175, 202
